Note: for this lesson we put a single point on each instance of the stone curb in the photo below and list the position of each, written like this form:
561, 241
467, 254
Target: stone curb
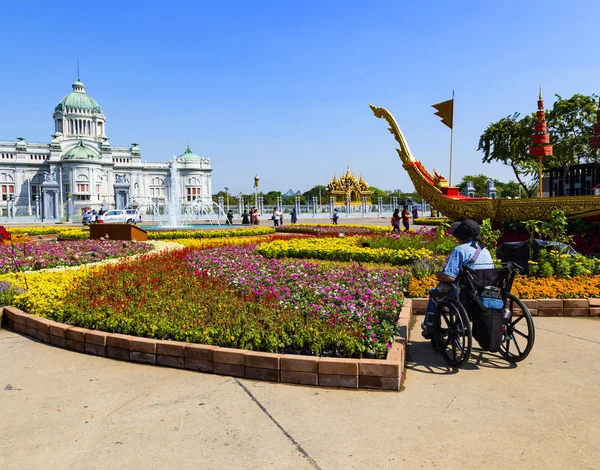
541, 307
379, 374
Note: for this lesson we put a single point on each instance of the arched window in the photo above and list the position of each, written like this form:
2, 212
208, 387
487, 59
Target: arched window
157, 187
193, 189
83, 184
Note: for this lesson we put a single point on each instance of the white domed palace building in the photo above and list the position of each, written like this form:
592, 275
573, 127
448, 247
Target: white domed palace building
80, 168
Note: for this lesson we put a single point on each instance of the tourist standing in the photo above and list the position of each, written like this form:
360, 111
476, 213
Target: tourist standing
281, 218
229, 217
294, 216
245, 218
396, 221
254, 216
275, 218
405, 218
335, 216
415, 213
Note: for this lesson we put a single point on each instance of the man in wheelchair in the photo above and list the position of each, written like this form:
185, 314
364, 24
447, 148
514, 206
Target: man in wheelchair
471, 252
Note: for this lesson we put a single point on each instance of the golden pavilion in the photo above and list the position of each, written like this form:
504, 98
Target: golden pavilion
349, 187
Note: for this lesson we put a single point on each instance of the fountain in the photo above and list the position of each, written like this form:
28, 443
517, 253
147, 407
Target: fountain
197, 209
174, 203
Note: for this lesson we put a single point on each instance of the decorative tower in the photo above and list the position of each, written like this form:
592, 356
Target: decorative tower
595, 139
541, 139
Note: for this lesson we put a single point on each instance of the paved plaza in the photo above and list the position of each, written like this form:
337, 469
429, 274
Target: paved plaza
62, 409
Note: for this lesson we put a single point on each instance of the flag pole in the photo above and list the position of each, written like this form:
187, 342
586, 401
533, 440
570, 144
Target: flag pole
451, 135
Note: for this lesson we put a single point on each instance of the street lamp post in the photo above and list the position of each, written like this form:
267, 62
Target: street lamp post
256, 178
227, 196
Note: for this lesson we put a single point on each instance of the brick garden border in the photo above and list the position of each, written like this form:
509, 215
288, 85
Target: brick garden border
541, 307
381, 374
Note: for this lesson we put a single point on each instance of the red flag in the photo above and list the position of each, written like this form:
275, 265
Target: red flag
445, 110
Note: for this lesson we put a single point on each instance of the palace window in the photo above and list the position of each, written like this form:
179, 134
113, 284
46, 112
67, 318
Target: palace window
8, 187
157, 187
7, 190
193, 193
35, 191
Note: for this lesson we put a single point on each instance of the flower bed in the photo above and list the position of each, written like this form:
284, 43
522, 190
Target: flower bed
40, 292
238, 299
42, 255
429, 239
435, 221
43, 230
213, 233
333, 230
340, 249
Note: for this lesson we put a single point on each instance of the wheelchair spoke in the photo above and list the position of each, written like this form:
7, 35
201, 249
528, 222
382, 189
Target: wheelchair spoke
516, 344
514, 330
519, 318
446, 318
457, 344
454, 350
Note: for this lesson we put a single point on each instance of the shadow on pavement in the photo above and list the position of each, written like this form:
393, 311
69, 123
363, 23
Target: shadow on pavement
420, 357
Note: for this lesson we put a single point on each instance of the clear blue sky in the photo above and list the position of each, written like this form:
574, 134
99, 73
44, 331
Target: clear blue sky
281, 88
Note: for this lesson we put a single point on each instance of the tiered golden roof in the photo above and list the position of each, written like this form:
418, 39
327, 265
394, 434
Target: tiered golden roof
348, 186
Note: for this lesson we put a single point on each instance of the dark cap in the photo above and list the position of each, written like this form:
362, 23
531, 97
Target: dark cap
465, 229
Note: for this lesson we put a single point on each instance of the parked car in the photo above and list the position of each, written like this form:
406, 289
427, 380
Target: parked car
120, 216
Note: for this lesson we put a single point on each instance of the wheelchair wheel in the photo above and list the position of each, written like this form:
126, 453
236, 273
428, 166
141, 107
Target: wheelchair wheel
520, 333
452, 332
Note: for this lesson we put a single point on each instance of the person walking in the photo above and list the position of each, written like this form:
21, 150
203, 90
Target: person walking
294, 216
396, 221
230, 217
405, 218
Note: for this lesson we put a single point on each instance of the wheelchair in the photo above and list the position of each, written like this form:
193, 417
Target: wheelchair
483, 308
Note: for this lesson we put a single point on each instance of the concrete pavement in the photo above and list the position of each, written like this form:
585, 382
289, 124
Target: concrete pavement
62, 409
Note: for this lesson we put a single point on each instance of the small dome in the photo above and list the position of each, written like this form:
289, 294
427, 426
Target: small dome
78, 99
188, 154
81, 152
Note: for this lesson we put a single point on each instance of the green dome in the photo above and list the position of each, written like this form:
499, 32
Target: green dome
81, 152
78, 99
189, 154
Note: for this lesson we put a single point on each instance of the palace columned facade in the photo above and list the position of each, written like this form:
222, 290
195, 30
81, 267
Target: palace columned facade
80, 168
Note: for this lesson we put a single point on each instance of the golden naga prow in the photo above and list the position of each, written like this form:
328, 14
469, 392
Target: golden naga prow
446, 199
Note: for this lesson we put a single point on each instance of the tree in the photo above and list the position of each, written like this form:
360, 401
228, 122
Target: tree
507, 141
270, 198
479, 182
510, 189
377, 193
319, 191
